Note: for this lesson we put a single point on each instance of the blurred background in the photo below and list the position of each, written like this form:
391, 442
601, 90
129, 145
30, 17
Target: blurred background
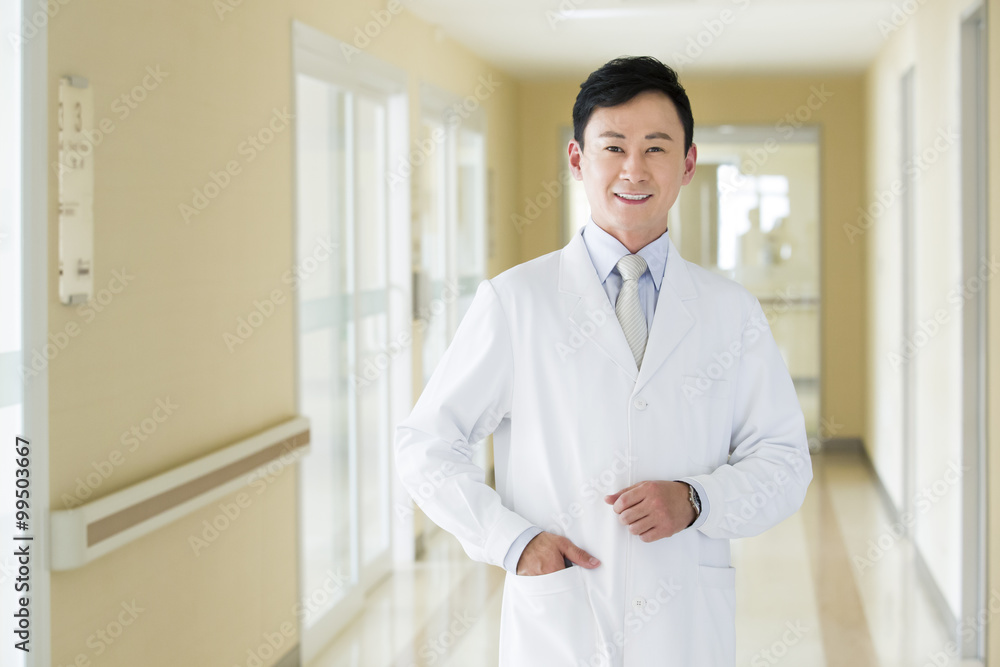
237, 236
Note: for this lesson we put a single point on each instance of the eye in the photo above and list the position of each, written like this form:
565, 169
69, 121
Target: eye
656, 148
614, 148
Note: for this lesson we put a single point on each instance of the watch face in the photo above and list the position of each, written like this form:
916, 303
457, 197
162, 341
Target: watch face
695, 500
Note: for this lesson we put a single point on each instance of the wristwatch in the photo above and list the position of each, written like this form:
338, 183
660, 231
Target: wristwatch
695, 503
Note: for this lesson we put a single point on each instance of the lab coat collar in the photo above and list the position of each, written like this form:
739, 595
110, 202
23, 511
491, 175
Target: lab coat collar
605, 251
579, 281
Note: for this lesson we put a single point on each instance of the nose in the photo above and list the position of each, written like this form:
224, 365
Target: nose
634, 167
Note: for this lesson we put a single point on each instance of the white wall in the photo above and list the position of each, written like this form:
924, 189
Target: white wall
929, 40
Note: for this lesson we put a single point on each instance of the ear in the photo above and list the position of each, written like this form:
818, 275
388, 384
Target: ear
689, 164
575, 154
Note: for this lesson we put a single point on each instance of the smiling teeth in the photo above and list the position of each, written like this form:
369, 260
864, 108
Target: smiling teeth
632, 196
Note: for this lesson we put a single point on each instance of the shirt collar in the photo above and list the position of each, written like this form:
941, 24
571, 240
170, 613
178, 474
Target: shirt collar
605, 251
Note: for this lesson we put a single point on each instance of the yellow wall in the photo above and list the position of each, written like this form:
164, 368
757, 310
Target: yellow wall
162, 335
993, 327
545, 107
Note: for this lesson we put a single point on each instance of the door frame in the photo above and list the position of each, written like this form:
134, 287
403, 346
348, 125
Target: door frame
974, 316
908, 221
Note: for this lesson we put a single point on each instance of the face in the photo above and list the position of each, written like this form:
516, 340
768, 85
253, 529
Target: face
636, 149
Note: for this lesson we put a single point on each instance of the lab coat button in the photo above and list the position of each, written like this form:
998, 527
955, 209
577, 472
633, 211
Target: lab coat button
640, 403
639, 603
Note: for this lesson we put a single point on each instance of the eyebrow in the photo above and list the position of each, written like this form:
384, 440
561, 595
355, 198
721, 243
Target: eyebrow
652, 135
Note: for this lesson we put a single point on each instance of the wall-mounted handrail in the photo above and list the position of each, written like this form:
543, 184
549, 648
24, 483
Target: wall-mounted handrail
81, 534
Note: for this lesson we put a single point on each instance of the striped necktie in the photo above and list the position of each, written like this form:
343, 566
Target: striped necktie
628, 308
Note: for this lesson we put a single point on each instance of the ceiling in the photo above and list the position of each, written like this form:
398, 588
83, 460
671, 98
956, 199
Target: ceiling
555, 39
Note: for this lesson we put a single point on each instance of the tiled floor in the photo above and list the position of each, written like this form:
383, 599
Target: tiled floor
446, 609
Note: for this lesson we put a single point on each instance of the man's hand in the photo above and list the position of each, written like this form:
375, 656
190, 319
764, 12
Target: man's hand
653, 510
545, 552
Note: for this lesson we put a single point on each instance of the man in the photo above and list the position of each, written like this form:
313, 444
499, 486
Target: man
642, 414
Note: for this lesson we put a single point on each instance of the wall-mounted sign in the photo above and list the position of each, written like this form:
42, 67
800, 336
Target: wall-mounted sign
76, 190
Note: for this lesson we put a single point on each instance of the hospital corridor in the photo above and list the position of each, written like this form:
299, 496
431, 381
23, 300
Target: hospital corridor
538, 333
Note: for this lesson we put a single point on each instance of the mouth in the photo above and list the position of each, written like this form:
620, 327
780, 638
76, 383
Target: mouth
631, 198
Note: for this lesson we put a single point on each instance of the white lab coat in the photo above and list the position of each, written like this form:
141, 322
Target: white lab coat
540, 361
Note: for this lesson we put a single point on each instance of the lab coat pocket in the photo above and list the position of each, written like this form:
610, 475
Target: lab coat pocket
698, 385
707, 421
547, 620
715, 623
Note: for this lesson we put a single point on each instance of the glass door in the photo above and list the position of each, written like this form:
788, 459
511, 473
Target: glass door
751, 213
433, 215
327, 344
349, 133
451, 228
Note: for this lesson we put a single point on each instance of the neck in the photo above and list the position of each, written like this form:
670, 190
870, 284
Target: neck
633, 239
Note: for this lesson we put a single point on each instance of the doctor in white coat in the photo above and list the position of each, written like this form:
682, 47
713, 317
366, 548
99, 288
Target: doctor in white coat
642, 414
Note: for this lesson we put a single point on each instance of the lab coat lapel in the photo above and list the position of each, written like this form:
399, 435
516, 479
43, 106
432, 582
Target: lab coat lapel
588, 302
671, 319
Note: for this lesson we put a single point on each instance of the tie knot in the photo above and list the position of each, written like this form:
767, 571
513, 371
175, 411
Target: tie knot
631, 267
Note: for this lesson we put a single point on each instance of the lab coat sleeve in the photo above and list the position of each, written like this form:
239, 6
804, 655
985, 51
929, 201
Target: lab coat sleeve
513, 556
467, 396
706, 503
769, 468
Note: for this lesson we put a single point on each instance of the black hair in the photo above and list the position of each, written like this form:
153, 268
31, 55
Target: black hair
621, 79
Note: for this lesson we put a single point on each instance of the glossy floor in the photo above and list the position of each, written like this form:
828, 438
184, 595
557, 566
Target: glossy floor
830, 610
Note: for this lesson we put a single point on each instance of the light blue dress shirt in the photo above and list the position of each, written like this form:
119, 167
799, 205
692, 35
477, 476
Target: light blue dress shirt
605, 251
